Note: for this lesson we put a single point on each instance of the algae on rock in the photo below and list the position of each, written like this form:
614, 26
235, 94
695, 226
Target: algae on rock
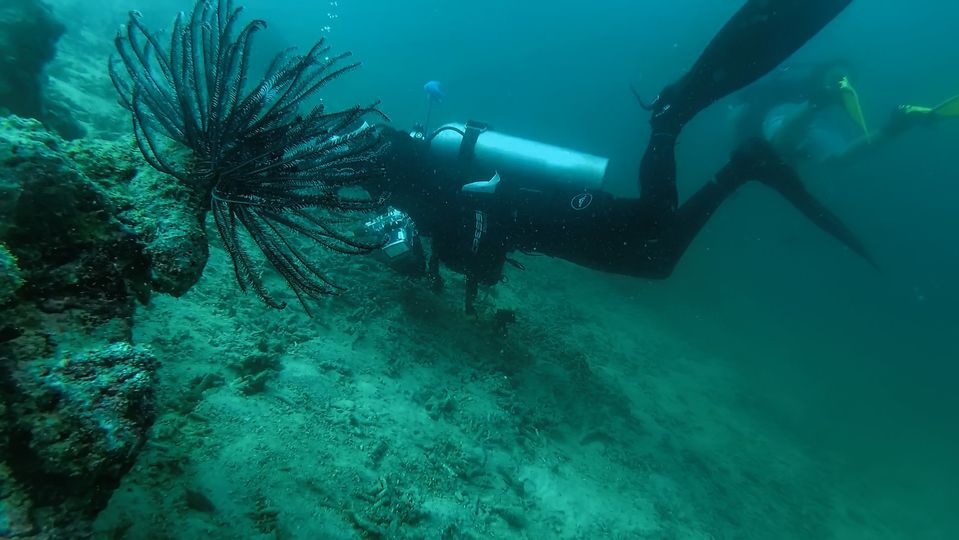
87, 229
10, 278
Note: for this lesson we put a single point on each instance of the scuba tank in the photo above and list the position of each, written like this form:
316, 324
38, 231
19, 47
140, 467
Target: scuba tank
519, 162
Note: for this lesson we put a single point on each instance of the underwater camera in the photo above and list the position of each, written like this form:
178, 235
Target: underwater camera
402, 249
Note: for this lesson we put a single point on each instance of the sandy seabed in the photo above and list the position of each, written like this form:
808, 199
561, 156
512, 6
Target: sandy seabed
392, 414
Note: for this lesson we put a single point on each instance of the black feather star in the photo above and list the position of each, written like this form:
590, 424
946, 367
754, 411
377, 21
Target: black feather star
267, 168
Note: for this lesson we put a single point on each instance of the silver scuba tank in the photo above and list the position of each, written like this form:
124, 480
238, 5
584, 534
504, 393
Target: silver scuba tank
519, 162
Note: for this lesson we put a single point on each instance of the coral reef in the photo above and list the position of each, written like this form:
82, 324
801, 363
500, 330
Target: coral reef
61, 225
87, 229
72, 428
90, 223
10, 278
28, 38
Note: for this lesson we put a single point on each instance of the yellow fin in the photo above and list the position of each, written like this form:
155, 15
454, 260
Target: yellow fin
915, 109
850, 101
950, 107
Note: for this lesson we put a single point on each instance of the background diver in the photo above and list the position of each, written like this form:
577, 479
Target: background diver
276, 173
812, 114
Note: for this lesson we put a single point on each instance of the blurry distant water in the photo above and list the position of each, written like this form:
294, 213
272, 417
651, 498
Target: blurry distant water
860, 362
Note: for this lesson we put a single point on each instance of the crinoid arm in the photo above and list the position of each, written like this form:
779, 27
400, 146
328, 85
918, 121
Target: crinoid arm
274, 169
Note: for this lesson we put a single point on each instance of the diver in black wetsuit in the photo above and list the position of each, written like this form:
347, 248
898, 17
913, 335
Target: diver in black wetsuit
477, 203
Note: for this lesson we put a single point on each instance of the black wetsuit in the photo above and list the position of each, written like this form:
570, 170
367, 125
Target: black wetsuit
474, 233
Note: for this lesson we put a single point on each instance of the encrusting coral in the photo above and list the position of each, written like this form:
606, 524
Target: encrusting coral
87, 229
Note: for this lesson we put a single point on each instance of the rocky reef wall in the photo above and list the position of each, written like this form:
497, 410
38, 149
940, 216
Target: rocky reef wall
87, 230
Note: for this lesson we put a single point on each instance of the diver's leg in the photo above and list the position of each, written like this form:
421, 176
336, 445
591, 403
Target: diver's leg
760, 36
754, 160
657, 176
691, 217
433, 271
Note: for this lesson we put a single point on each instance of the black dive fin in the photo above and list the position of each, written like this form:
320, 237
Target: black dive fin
756, 160
759, 37
795, 192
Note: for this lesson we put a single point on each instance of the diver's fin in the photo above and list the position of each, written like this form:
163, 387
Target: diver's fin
756, 160
758, 37
915, 110
795, 192
948, 108
850, 102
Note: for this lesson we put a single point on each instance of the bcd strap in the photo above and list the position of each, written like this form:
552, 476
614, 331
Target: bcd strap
472, 133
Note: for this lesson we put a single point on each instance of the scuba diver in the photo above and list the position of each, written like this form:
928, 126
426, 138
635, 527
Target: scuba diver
812, 114
273, 174
480, 194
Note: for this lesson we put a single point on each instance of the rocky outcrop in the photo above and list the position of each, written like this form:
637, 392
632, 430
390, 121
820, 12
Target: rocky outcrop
29, 33
87, 229
73, 427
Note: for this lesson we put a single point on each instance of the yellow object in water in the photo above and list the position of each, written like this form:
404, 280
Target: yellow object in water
915, 109
946, 109
950, 107
850, 101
